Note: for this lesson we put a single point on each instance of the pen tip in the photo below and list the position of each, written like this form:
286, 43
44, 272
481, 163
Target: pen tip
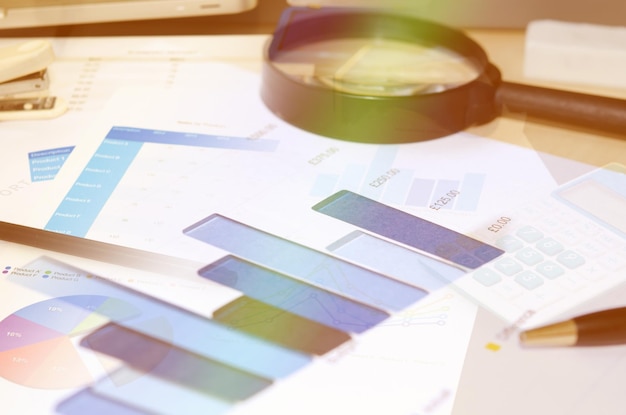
559, 334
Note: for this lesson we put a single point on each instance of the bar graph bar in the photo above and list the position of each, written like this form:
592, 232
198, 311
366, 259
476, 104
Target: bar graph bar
163, 360
88, 402
279, 326
470, 191
294, 296
154, 395
216, 341
420, 192
396, 261
407, 229
141, 135
305, 264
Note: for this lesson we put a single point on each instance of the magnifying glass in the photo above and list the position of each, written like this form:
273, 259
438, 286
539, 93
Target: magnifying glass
380, 77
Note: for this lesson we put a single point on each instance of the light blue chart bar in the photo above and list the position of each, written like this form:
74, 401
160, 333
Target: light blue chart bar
294, 296
94, 186
397, 261
154, 395
306, 264
381, 164
209, 338
85, 200
420, 192
88, 402
471, 190
190, 139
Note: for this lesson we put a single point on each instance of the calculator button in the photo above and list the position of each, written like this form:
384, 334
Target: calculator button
549, 246
550, 270
509, 243
570, 259
508, 266
486, 277
529, 256
529, 280
529, 234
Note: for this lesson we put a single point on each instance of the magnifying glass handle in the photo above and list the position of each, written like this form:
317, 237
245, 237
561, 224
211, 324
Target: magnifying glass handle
591, 111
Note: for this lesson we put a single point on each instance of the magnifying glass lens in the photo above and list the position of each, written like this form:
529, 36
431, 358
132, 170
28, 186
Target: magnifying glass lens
377, 66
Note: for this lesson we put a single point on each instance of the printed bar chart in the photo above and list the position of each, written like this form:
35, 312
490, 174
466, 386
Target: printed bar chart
97, 182
294, 296
305, 264
407, 229
382, 181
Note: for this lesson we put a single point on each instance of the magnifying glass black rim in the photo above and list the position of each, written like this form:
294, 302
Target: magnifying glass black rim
374, 119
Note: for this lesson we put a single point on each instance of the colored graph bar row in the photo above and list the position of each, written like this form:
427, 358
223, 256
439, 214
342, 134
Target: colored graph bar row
297, 262
294, 296
190, 139
182, 356
174, 364
396, 261
407, 229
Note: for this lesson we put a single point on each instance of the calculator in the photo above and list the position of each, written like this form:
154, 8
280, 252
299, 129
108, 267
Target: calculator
559, 251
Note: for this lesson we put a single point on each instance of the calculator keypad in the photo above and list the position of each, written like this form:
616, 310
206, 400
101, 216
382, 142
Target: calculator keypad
552, 254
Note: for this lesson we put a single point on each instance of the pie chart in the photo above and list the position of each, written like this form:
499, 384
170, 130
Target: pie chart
38, 343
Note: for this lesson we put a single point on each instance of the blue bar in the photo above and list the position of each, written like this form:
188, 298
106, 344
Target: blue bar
396, 261
324, 185
209, 338
420, 192
305, 264
407, 229
153, 395
293, 296
396, 189
471, 189
88, 402
163, 360
190, 139
380, 165
351, 177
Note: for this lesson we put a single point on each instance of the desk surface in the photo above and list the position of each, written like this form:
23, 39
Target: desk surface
506, 50
504, 47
